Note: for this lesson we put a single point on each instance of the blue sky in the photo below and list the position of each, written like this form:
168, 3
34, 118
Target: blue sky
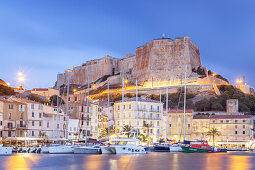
44, 37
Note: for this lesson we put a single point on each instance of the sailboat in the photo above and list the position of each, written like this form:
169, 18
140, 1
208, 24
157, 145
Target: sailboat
125, 145
85, 149
64, 149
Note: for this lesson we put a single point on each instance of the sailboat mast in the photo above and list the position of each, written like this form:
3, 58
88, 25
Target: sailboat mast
108, 109
160, 115
136, 102
166, 112
58, 112
122, 105
184, 107
68, 75
87, 110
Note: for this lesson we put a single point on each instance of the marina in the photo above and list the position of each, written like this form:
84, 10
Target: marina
152, 160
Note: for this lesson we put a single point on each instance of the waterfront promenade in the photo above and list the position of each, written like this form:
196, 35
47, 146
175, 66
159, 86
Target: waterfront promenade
157, 161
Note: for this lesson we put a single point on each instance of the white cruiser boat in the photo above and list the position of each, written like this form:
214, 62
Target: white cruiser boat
175, 148
87, 150
62, 149
5, 150
45, 149
124, 146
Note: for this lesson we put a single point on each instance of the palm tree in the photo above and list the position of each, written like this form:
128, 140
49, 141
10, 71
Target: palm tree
127, 129
43, 135
213, 132
147, 129
104, 132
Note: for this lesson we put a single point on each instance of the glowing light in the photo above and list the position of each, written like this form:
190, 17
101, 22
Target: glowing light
125, 81
239, 81
213, 74
8, 84
74, 90
21, 79
20, 73
93, 86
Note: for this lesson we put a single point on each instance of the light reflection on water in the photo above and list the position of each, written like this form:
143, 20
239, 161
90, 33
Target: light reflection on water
176, 161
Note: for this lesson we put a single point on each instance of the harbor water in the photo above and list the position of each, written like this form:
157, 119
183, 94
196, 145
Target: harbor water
152, 160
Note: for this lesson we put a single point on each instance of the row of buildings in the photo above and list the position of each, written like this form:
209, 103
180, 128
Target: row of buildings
25, 118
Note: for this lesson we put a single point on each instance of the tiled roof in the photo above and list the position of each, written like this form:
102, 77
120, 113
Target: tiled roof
24, 100
179, 111
11, 101
139, 99
222, 116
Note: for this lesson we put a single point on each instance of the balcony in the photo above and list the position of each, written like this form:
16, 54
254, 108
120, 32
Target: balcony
20, 126
149, 118
9, 128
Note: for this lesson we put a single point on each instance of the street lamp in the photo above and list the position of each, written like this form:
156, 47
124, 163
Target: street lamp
126, 81
74, 90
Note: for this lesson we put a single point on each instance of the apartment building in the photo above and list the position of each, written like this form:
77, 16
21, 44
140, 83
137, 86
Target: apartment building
145, 114
14, 118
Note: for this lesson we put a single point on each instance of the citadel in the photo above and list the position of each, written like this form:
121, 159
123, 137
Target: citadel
158, 63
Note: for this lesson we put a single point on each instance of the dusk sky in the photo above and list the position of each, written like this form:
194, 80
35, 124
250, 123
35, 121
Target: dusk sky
46, 37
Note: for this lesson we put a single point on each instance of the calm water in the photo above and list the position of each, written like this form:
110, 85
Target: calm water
157, 161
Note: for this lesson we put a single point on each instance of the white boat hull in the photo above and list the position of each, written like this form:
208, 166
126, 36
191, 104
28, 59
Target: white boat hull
45, 149
86, 150
106, 150
175, 149
61, 150
5, 151
125, 149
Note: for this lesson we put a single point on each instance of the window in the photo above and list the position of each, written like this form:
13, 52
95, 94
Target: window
33, 123
40, 115
32, 106
129, 106
236, 121
58, 126
244, 132
213, 121
158, 108
40, 123
48, 124
10, 115
170, 125
118, 107
151, 107
33, 133
1, 123
244, 126
33, 114
188, 125
151, 116
124, 107
235, 132
243, 121
70, 128
236, 126
221, 121
21, 115
227, 121
10, 106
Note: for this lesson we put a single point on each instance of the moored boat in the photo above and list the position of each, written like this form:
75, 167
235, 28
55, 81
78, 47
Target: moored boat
4, 151
62, 149
197, 147
87, 150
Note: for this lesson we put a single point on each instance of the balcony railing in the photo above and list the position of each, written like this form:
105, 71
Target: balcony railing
9, 127
21, 126
151, 118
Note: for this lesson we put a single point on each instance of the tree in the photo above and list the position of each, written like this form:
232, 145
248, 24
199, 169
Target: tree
55, 98
5, 90
213, 132
127, 129
104, 133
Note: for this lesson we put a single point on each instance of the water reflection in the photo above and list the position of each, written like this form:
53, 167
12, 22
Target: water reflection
240, 162
21, 161
176, 161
